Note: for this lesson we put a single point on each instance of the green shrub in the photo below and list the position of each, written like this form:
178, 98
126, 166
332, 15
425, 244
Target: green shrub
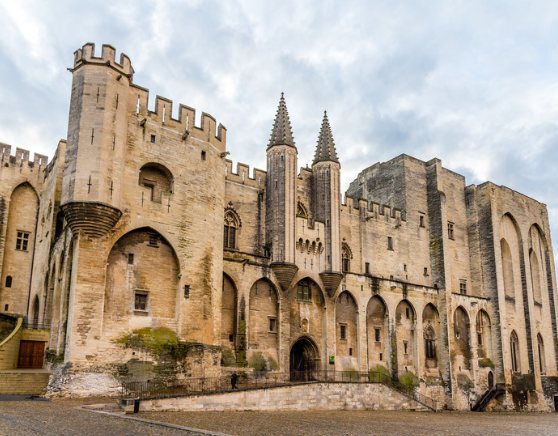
227, 358
52, 357
486, 363
258, 362
350, 374
409, 380
272, 364
464, 382
380, 373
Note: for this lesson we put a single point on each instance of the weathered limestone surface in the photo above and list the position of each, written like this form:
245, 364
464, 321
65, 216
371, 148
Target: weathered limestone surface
140, 222
316, 396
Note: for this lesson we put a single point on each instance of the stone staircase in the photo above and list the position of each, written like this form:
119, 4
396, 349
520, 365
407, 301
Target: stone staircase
24, 381
488, 396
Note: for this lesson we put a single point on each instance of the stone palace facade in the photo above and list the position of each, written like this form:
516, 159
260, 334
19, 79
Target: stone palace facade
141, 221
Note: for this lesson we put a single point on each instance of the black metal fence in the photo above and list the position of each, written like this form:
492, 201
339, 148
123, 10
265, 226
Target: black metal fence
169, 388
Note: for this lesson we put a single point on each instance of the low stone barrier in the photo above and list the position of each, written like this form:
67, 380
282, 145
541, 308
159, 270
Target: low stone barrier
312, 396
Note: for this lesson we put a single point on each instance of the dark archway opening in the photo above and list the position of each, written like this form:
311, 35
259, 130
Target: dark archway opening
490, 380
304, 360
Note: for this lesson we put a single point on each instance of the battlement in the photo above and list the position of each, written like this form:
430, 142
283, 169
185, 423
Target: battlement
242, 175
52, 163
208, 131
372, 210
86, 55
21, 157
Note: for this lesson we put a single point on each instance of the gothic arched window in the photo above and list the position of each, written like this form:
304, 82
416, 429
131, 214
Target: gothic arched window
231, 227
346, 258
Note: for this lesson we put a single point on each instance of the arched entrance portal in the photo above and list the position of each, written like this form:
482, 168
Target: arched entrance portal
304, 359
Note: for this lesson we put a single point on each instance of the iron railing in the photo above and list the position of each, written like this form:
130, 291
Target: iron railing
171, 388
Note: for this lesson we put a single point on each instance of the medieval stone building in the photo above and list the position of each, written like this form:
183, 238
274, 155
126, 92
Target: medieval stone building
140, 221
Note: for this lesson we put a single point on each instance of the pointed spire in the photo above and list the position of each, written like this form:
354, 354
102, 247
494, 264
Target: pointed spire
282, 133
325, 151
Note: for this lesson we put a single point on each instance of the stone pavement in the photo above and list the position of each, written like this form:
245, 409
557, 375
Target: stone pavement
68, 418
343, 423
61, 418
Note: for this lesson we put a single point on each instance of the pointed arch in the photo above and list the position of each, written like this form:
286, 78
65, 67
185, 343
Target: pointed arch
484, 334
346, 320
134, 296
307, 304
19, 245
229, 314
377, 332
263, 320
431, 331
462, 339
301, 210
405, 317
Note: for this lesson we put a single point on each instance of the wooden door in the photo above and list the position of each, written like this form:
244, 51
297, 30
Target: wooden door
31, 354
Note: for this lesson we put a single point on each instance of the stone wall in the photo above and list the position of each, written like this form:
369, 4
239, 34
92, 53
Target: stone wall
317, 396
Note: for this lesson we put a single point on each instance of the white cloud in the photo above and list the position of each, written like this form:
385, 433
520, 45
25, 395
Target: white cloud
470, 82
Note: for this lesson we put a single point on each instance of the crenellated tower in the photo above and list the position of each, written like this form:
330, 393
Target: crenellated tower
281, 197
327, 204
97, 132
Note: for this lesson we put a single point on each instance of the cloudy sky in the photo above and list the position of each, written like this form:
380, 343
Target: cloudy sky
473, 83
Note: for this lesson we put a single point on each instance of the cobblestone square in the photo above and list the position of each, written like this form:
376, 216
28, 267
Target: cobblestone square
68, 418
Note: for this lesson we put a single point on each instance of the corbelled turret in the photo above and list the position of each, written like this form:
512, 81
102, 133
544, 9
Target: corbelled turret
281, 197
327, 204
97, 132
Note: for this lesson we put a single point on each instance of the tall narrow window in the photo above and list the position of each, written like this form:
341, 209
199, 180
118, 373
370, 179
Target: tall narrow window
463, 287
22, 241
9, 282
231, 225
346, 257
514, 348
390, 243
367, 268
450, 231
343, 332
421, 220
542, 362
273, 325
377, 335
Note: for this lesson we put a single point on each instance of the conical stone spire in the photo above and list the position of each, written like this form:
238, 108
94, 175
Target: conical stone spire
325, 151
282, 133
